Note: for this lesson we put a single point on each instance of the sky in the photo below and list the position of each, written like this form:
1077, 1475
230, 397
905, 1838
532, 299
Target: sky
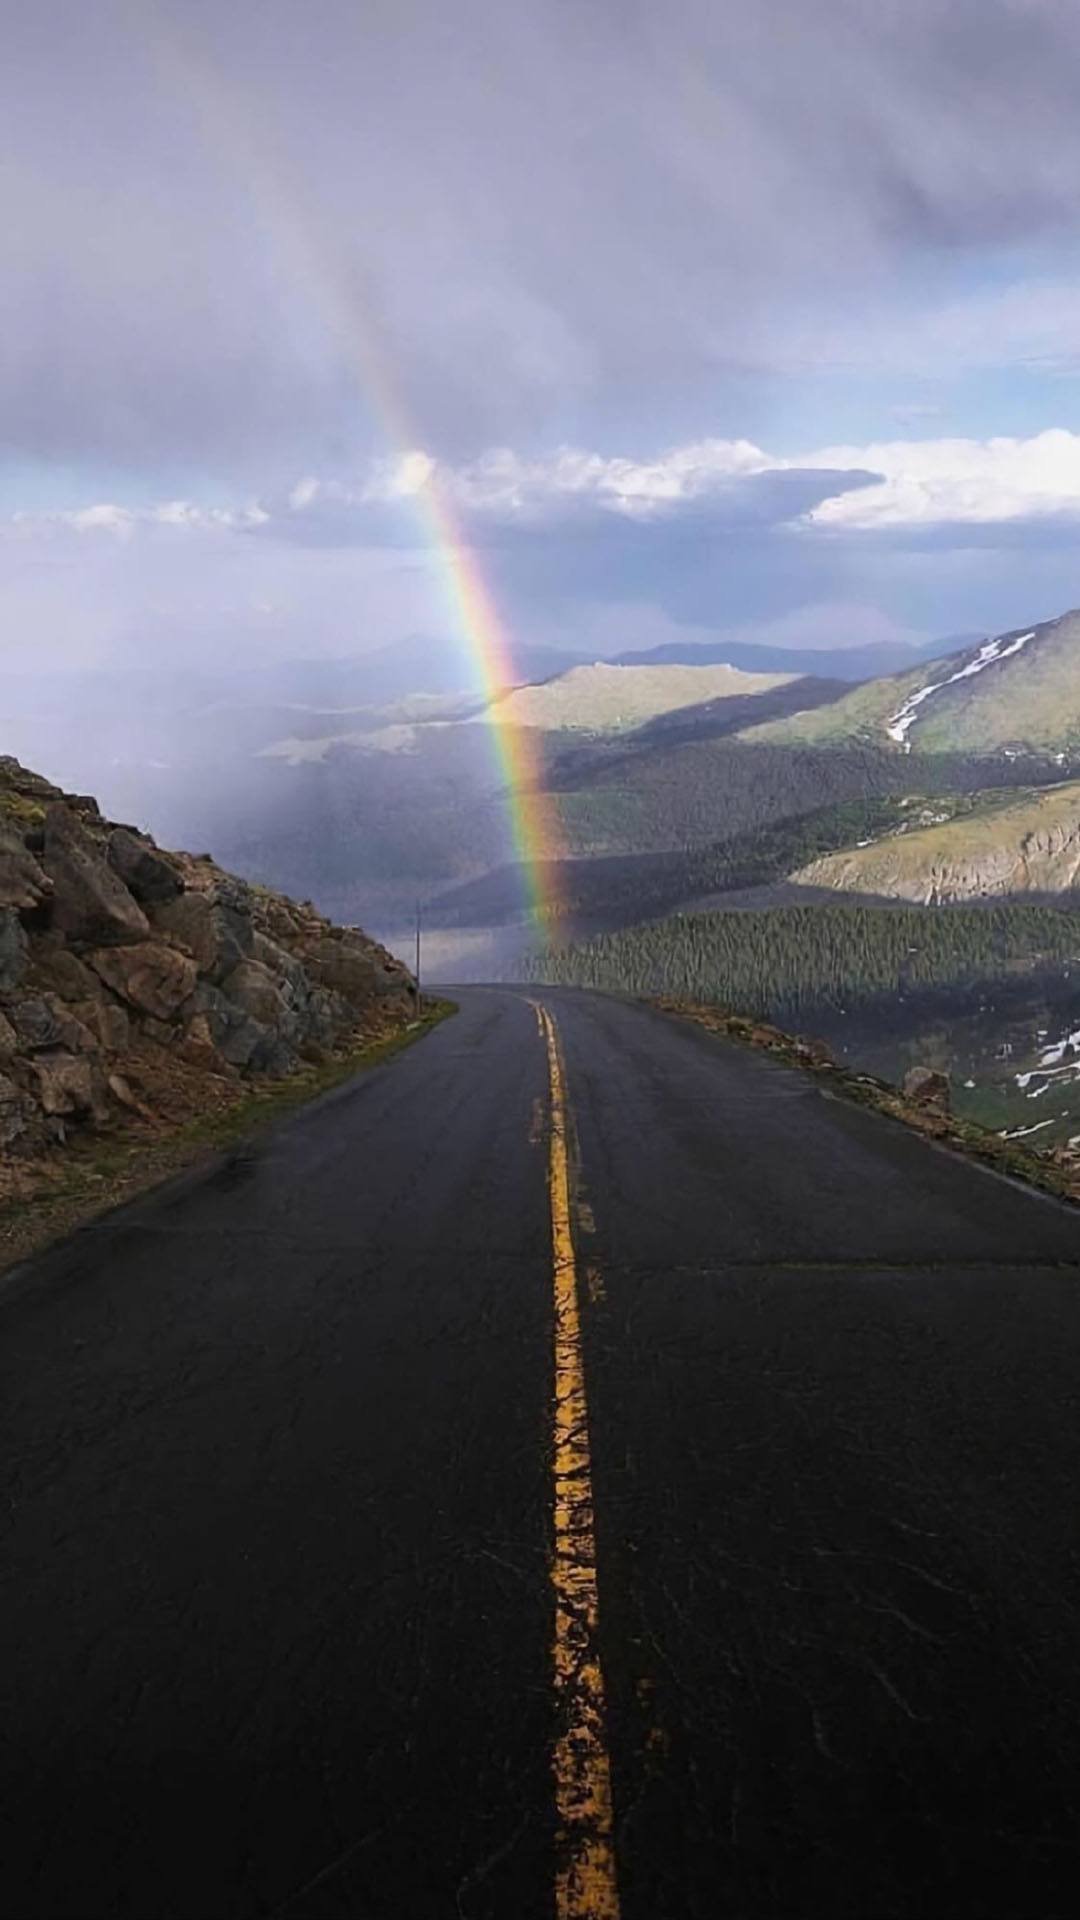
708, 319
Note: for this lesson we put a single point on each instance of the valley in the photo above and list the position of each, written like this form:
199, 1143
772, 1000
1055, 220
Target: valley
701, 809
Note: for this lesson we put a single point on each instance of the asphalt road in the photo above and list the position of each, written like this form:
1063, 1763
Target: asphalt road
277, 1610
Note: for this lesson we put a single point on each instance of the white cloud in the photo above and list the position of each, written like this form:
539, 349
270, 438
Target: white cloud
504, 485
911, 484
956, 482
121, 522
920, 482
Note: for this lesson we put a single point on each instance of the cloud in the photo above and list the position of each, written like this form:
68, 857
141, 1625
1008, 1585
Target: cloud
255, 240
843, 544
707, 490
958, 483
121, 522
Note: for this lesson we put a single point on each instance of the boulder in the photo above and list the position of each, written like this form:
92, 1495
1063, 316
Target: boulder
217, 936
109, 1024
252, 987
124, 1094
20, 1118
67, 1083
235, 1035
327, 1017
42, 1021
9, 1042
391, 976
283, 964
145, 872
927, 1087
198, 1049
91, 905
345, 966
14, 949
153, 979
57, 970
23, 884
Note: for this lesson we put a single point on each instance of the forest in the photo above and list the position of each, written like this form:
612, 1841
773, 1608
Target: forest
782, 961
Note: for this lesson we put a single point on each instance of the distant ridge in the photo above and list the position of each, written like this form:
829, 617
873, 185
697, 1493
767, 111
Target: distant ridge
830, 663
609, 698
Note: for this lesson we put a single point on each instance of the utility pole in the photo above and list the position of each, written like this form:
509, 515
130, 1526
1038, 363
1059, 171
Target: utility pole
416, 969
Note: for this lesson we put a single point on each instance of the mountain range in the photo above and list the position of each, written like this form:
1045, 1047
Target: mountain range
683, 789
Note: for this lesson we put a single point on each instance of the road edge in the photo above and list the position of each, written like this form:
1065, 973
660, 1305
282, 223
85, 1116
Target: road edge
962, 1137
118, 1170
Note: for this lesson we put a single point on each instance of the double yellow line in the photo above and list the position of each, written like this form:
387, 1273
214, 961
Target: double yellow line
585, 1885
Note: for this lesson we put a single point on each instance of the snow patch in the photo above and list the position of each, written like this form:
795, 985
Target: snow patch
1055, 1054
1019, 1133
902, 721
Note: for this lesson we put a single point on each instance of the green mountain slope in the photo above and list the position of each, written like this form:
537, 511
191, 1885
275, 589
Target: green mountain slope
1019, 691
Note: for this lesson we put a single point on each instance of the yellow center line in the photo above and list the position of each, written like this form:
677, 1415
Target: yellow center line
585, 1882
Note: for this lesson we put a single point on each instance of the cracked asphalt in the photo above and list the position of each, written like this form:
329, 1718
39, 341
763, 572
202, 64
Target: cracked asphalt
276, 1605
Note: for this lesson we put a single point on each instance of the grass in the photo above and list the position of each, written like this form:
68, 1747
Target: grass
98, 1173
23, 811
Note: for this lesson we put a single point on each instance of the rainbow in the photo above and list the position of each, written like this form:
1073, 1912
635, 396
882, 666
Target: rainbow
534, 824
293, 230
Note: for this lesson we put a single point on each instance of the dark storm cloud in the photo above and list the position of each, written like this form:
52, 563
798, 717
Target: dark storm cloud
251, 239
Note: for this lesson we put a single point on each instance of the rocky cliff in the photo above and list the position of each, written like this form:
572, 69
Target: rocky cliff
137, 985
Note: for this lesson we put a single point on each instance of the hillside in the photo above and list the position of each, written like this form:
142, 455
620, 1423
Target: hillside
1019, 691
139, 987
1001, 844
603, 698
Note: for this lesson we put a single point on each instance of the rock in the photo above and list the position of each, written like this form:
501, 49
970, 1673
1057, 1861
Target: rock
814, 1053
153, 979
235, 1035
280, 962
14, 949
345, 966
43, 1021
217, 936
328, 1017
159, 1031
111, 949
122, 1092
144, 871
60, 971
90, 904
252, 987
198, 1049
19, 780
927, 1087
393, 978
108, 1023
20, 1119
24, 886
67, 1084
